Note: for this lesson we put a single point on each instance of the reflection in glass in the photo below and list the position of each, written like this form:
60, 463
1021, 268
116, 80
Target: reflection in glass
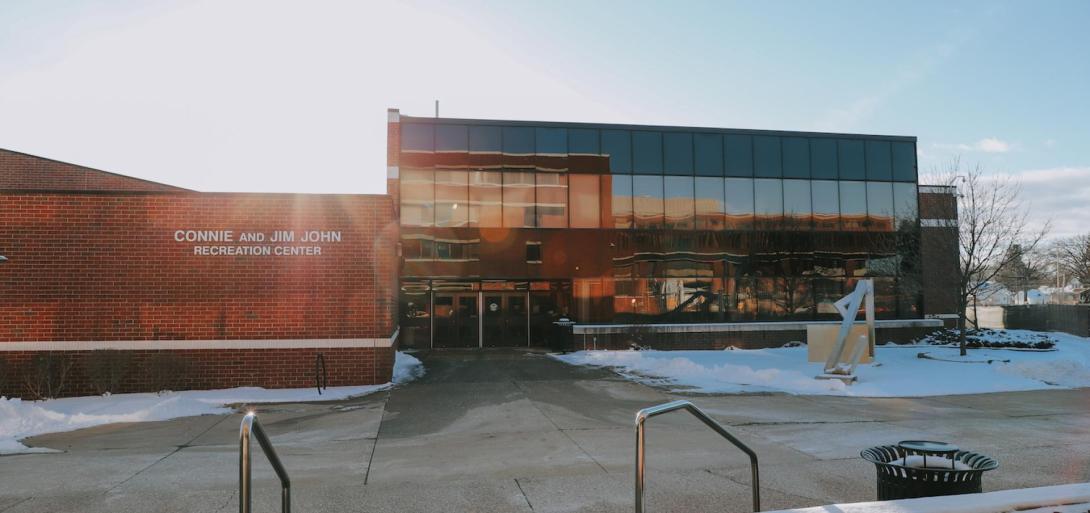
486, 199
853, 205
582, 141
879, 164
738, 193
880, 206
796, 157
646, 152
584, 201
796, 204
738, 155
904, 161
766, 157
451, 198
850, 157
708, 154
417, 197
677, 148
518, 199
452, 138
617, 145
768, 204
417, 137
647, 201
484, 139
621, 200
905, 208
518, 140
679, 202
826, 204
823, 158
552, 200
551, 141
709, 204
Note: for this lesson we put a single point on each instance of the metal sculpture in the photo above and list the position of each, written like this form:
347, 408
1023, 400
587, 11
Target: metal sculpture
848, 306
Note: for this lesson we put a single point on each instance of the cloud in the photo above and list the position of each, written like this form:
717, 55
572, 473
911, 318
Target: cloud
1061, 194
985, 145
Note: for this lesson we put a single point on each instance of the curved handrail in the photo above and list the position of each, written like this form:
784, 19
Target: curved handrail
646, 413
250, 425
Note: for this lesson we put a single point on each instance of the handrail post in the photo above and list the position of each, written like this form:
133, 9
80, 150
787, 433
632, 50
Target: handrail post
641, 460
250, 426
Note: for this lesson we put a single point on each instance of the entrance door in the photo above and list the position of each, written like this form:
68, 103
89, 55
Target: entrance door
456, 320
505, 319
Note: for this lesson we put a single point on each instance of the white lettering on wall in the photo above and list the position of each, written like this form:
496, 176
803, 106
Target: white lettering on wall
252, 243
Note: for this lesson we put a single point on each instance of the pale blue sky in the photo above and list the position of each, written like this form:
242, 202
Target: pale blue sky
291, 96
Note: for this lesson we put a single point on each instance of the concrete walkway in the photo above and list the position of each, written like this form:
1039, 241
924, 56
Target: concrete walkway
511, 430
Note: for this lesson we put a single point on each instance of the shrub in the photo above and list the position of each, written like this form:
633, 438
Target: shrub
166, 371
106, 368
4, 369
45, 379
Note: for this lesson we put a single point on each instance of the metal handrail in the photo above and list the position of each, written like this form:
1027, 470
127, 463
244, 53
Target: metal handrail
251, 425
646, 413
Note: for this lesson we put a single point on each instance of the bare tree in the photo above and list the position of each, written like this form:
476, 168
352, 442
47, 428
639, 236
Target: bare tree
992, 221
1024, 270
1072, 256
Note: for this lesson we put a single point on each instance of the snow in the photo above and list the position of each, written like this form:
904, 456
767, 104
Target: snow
21, 419
1068, 498
897, 371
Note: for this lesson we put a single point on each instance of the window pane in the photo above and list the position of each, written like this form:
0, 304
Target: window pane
738, 193
552, 200
647, 205
796, 204
621, 200
417, 137
709, 203
552, 141
850, 157
823, 158
904, 161
853, 205
768, 202
585, 210
708, 154
826, 205
451, 138
646, 153
677, 153
617, 145
879, 166
417, 197
679, 202
905, 206
484, 139
796, 157
766, 156
738, 155
518, 140
880, 206
451, 198
486, 199
518, 199
583, 141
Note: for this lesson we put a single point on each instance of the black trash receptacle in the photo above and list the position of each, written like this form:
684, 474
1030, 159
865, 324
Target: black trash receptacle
907, 474
562, 338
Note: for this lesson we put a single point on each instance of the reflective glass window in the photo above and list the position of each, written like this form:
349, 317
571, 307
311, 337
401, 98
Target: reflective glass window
796, 157
709, 203
677, 150
518, 199
621, 200
518, 140
880, 206
551, 141
766, 157
826, 204
647, 201
417, 197
905, 206
850, 158
738, 155
583, 141
768, 202
585, 208
879, 165
552, 200
417, 137
617, 145
796, 204
853, 205
679, 202
485, 139
486, 199
823, 158
646, 153
451, 198
738, 193
454, 138
904, 161
708, 154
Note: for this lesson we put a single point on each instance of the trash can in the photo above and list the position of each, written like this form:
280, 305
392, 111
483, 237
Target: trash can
562, 334
922, 468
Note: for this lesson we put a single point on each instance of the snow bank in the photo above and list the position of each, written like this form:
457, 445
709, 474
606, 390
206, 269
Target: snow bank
20, 419
897, 371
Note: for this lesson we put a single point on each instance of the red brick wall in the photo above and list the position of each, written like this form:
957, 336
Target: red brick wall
19, 171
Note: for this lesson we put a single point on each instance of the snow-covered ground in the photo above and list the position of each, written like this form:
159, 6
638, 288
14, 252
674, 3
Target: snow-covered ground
20, 419
897, 371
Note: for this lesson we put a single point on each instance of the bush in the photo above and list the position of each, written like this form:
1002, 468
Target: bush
166, 371
106, 368
985, 338
45, 379
4, 369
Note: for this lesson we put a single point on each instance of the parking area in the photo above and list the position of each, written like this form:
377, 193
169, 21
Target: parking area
512, 430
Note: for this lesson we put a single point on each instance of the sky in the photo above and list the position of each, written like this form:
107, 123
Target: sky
270, 96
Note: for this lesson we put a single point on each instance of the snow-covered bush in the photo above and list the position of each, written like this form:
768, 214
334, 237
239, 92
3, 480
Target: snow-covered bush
990, 339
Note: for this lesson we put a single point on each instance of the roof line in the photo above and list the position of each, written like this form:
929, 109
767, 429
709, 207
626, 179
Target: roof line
99, 170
